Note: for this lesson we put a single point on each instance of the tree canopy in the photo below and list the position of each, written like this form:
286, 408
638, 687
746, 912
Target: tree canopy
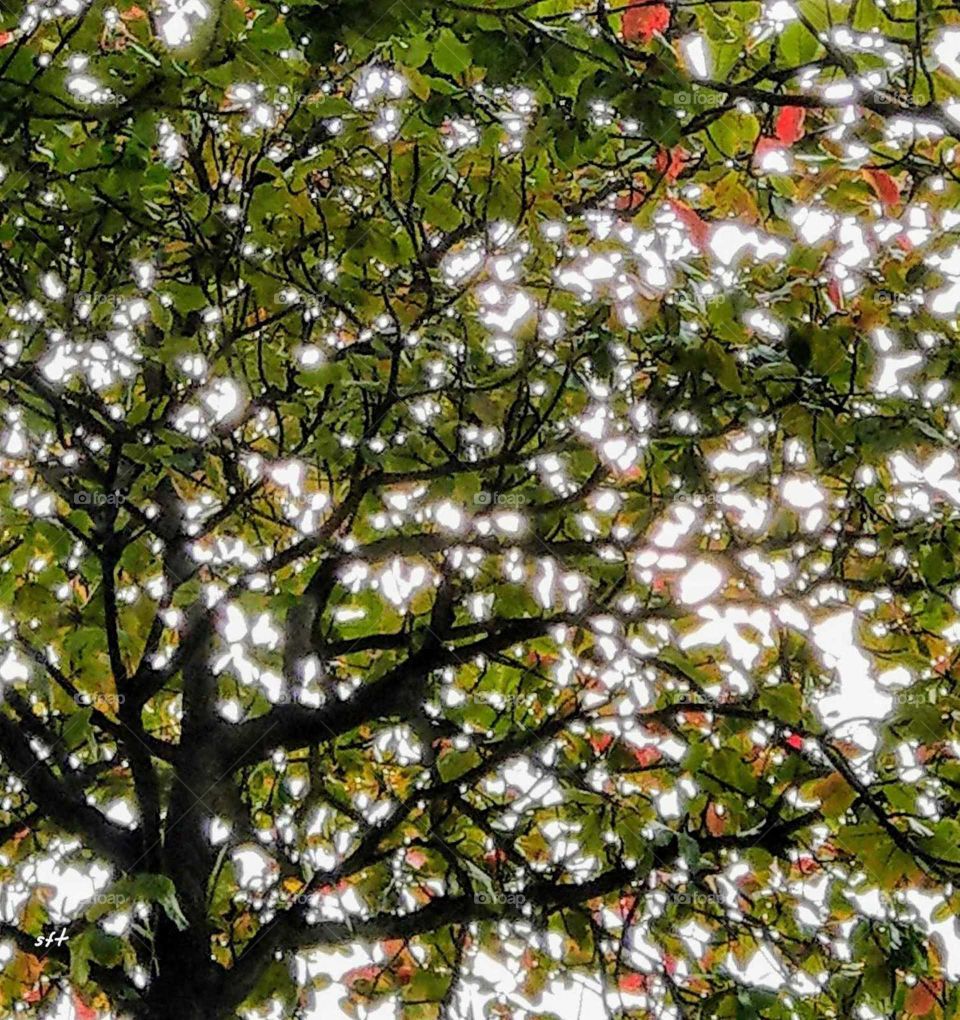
479, 525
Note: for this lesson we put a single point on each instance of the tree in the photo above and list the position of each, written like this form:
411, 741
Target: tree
477, 497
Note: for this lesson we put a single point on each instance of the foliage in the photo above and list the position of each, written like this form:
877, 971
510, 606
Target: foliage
476, 484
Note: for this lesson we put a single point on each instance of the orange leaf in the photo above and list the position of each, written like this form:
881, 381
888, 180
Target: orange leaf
921, 1000
886, 187
693, 221
28, 968
5, 38
789, 124
641, 21
716, 823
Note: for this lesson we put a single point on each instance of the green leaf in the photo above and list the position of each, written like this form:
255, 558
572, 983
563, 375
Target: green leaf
93, 945
159, 889
723, 367
449, 54
77, 729
797, 44
783, 701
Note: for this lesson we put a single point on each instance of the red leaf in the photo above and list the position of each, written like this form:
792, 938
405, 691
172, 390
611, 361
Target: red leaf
764, 146
927, 751
693, 221
642, 20
789, 124
631, 199
807, 865
5, 38
671, 163
646, 755
886, 187
601, 742
370, 972
795, 741
416, 858
633, 982
835, 294
81, 1010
